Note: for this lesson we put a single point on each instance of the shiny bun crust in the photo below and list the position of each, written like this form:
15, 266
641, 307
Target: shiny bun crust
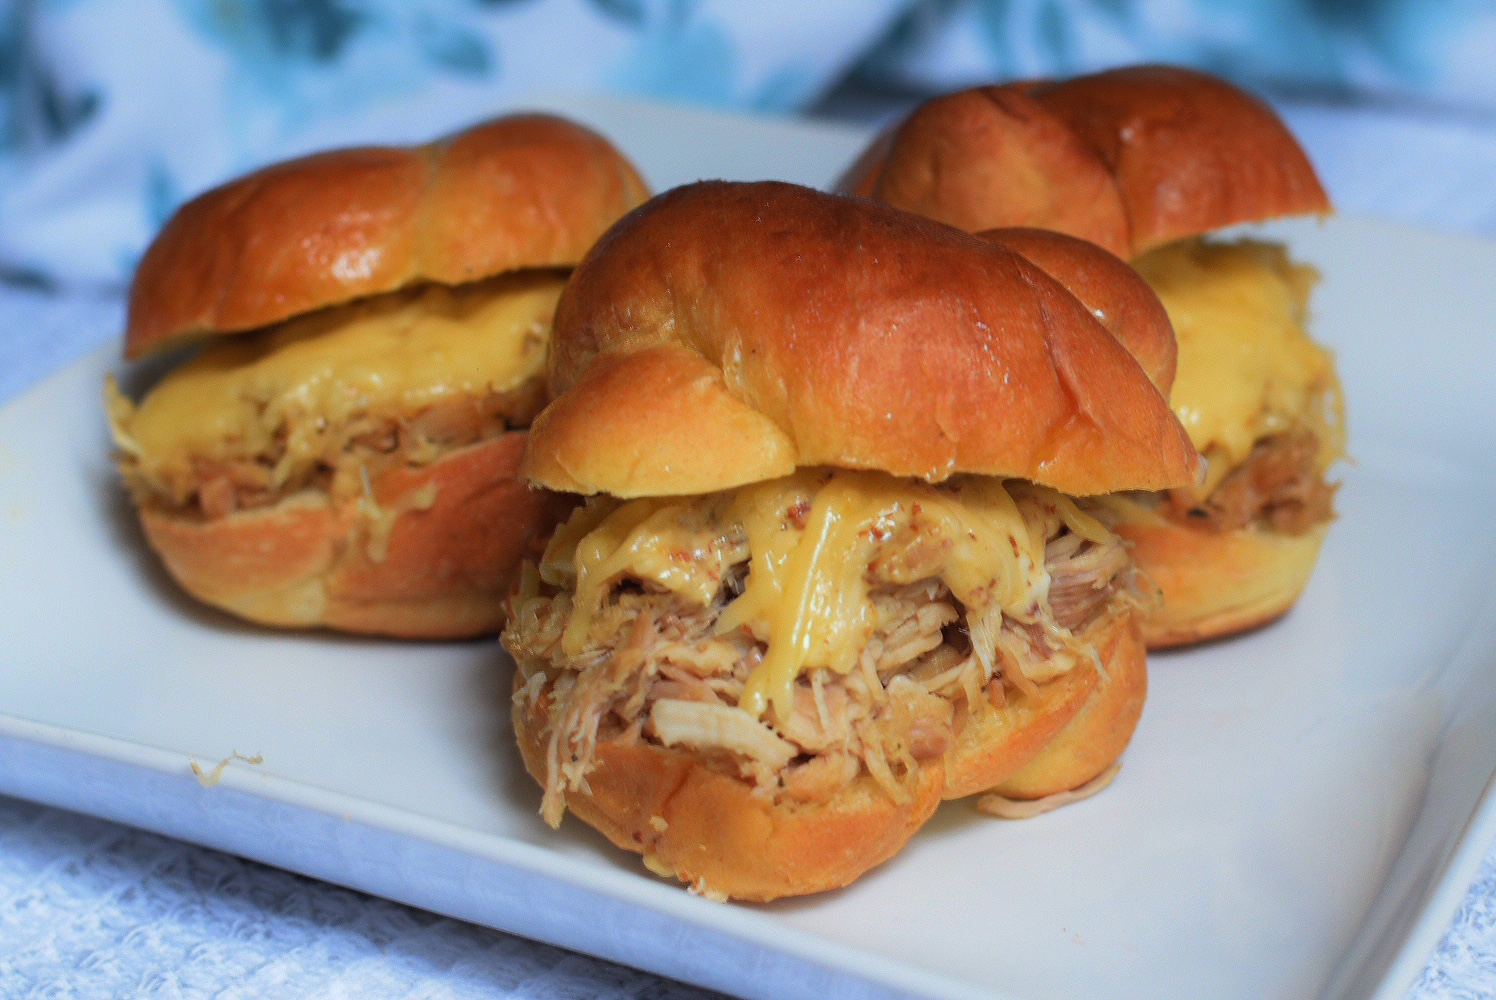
1106, 286
517, 192
1128, 159
446, 563
727, 333
1057, 739
709, 830
1216, 584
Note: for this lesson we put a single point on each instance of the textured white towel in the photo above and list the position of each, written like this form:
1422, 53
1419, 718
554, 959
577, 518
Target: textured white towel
92, 909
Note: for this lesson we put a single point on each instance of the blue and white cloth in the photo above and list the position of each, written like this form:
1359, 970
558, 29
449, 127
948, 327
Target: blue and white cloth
92, 909
1424, 52
112, 112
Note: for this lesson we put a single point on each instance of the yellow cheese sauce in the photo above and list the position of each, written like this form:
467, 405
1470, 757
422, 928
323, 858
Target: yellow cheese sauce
817, 541
307, 381
1247, 368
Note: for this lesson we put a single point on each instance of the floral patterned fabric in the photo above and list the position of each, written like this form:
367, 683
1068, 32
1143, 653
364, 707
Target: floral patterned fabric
112, 112
1415, 51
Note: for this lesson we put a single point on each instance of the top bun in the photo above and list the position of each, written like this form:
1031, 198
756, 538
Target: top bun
517, 192
1127, 159
726, 333
1108, 288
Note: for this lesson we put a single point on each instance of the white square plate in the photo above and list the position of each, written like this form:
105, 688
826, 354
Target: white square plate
1299, 815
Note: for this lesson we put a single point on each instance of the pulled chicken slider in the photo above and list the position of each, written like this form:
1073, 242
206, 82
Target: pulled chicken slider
836, 561
342, 450
1147, 162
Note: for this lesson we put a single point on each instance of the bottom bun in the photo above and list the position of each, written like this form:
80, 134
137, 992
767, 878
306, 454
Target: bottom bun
1063, 735
1216, 584
433, 561
708, 829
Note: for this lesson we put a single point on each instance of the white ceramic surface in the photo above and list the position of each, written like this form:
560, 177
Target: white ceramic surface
1299, 815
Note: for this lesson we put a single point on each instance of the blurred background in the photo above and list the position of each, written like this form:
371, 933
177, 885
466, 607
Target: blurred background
112, 112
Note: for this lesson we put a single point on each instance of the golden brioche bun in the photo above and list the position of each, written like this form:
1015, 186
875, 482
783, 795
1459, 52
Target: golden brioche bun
1061, 736
727, 333
708, 829
1104, 284
994, 157
460, 528
1218, 583
1128, 159
1097, 734
526, 191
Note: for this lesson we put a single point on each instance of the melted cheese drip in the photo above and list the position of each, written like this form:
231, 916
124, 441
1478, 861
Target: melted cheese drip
817, 541
385, 358
1247, 369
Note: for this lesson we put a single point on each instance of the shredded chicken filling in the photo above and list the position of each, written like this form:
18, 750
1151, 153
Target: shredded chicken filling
657, 665
352, 455
1281, 485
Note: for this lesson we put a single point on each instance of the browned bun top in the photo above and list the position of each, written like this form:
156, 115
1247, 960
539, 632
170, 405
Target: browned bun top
994, 157
1106, 286
1127, 159
516, 192
727, 333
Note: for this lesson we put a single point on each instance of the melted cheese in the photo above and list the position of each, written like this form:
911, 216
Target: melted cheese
1247, 369
311, 378
816, 542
